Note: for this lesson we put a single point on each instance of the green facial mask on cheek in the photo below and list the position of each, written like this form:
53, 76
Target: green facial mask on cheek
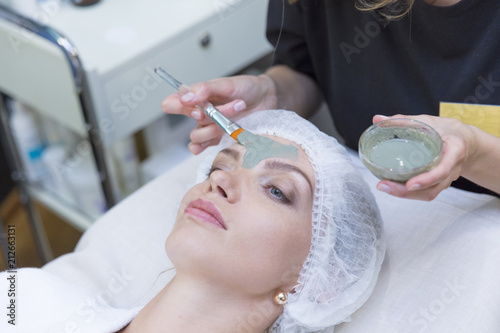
259, 148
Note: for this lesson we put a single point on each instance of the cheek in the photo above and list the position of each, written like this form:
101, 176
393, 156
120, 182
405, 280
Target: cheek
182, 239
275, 249
292, 243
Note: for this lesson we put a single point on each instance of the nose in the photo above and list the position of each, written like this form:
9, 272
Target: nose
225, 184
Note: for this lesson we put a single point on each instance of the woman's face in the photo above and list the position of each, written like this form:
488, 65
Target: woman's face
246, 229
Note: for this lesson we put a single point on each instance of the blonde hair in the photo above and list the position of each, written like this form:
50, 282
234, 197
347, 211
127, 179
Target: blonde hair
389, 9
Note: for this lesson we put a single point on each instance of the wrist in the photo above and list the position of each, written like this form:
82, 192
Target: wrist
269, 90
474, 149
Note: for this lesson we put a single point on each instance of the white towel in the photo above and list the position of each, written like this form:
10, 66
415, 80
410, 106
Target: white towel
33, 300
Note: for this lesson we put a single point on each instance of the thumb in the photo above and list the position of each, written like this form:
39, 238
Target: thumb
378, 118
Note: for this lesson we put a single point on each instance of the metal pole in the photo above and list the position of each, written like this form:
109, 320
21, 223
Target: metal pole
19, 177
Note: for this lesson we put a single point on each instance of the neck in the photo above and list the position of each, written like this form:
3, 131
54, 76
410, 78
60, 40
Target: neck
185, 305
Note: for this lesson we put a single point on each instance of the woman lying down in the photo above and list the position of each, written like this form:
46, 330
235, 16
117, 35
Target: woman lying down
265, 242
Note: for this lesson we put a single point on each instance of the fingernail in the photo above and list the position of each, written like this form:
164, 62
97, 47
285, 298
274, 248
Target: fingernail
384, 188
414, 187
240, 106
187, 97
204, 144
196, 115
382, 116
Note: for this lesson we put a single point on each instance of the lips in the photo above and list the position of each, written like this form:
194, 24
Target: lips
206, 211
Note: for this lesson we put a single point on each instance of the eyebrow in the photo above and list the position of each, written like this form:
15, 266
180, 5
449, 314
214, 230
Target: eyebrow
271, 164
231, 152
279, 165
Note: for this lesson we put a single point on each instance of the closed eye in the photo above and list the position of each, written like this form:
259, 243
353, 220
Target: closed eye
212, 169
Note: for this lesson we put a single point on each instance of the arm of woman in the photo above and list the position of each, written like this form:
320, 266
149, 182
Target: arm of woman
294, 90
467, 152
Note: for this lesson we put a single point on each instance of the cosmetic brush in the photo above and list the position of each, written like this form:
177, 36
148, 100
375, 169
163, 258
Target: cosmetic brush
229, 126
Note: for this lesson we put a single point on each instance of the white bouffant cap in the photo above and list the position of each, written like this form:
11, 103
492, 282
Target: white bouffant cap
347, 247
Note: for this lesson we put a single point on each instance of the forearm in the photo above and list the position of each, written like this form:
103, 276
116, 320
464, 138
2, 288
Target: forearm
294, 91
483, 165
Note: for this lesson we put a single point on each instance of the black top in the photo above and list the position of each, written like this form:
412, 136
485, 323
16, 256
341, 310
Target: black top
365, 65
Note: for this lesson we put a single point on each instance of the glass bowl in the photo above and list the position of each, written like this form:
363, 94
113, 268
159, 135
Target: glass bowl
398, 149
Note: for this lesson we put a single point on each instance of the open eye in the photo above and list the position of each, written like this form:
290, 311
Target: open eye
278, 194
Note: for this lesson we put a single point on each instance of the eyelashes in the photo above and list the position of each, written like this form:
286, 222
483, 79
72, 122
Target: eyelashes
273, 191
212, 169
217, 167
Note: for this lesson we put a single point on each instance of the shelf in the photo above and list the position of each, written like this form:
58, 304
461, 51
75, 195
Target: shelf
70, 214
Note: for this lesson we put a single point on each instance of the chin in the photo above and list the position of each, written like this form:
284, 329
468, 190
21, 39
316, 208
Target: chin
187, 247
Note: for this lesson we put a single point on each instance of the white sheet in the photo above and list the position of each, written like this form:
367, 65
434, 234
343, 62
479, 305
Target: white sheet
441, 269
440, 274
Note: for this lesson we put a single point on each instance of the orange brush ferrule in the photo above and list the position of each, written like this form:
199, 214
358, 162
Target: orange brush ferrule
235, 134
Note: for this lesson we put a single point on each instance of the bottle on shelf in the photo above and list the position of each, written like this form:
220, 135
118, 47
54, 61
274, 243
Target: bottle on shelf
83, 180
58, 145
28, 139
126, 165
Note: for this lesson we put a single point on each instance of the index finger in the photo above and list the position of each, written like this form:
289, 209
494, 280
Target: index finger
172, 104
217, 91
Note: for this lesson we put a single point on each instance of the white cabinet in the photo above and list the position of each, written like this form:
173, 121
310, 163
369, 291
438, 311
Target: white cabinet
121, 42
103, 86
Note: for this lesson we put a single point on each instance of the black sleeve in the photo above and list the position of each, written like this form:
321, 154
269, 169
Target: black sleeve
285, 30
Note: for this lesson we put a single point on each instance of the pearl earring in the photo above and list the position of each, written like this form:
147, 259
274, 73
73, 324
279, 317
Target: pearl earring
281, 298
